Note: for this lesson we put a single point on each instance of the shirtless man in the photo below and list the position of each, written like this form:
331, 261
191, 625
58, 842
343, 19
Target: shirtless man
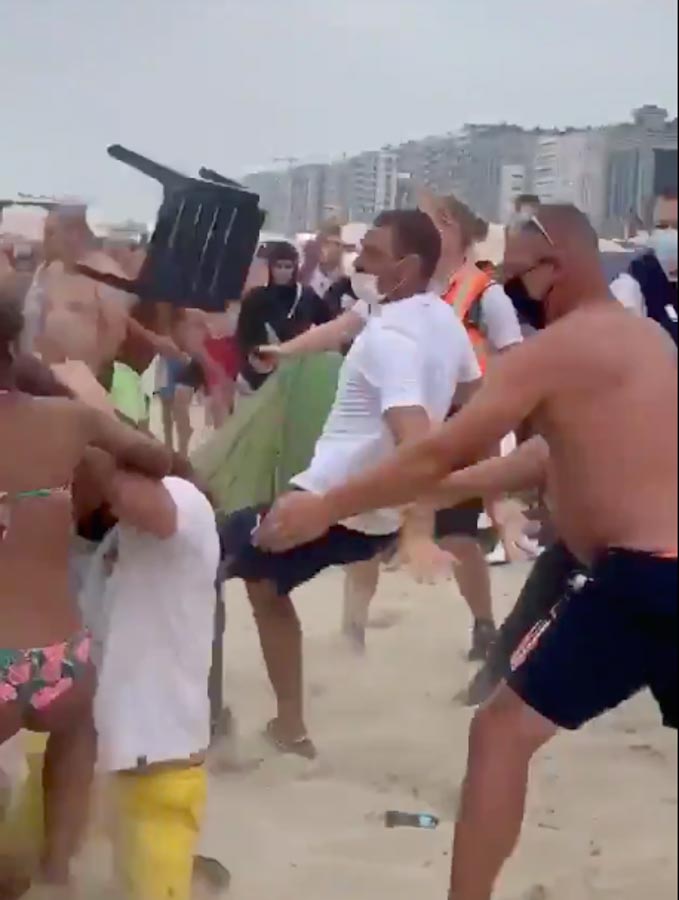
585, 383
80, 318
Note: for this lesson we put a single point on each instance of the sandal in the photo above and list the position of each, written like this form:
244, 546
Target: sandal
302, 746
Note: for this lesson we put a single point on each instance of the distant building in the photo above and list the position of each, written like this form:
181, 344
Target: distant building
513, 184
307, 198
642, 163
336, 193
570, 167
483, 153
274, 191
612, 173
372, 184
430, 162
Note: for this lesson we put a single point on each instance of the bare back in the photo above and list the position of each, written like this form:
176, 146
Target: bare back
610, 419
42, 443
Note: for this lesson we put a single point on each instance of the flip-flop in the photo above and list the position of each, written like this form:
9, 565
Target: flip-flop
302, 746
212, 873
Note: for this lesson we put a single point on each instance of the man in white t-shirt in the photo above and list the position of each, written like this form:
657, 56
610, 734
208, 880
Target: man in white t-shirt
153, 622
399, 377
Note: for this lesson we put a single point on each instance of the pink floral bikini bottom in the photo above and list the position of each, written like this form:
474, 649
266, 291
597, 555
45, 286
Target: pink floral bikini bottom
36, 678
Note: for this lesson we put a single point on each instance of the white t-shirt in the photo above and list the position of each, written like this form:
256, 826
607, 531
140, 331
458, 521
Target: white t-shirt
627, 290
152, 702
499, 319
414, 353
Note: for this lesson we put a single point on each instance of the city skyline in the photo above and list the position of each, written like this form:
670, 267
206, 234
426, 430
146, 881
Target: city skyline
234, 85
611, 172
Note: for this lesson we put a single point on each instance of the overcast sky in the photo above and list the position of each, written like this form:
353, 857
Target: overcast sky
235, 83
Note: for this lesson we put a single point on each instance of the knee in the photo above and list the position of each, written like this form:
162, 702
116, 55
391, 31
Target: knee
268, 605
507, 727
363, 578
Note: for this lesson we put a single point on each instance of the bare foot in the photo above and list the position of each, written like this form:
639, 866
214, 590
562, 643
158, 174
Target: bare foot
354, 636
14, 879
385, 620
301, 745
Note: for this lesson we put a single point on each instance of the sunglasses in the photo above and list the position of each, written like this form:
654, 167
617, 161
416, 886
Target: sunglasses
534, 222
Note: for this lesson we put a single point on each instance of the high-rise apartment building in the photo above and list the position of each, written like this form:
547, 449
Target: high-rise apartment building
570, 167
642, 163
612, 173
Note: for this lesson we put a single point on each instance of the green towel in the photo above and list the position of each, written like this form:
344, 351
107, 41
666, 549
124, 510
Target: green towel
272, 435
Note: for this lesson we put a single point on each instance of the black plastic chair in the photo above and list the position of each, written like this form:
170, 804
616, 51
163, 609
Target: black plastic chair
204, 241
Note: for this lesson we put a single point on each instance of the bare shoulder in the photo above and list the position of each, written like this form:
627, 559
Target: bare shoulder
100, 260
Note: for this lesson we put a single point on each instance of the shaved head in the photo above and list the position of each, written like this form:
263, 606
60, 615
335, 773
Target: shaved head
67, 233
555, 256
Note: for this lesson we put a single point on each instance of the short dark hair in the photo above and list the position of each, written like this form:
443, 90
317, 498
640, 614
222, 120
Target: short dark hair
414, 233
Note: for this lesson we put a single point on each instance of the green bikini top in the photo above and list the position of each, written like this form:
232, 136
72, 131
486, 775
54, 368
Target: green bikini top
7, 501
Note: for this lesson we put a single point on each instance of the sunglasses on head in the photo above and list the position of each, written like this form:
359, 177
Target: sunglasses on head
534, 222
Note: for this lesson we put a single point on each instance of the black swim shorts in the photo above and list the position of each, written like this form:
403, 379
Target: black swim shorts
241, 559
459, 521
604, 642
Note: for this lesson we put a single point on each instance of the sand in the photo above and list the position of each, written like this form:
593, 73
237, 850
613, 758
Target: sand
602, 822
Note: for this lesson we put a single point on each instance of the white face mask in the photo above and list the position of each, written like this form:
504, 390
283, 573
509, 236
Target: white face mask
366, 289
664, 243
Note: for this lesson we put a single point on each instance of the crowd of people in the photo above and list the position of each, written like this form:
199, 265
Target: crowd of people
443, 359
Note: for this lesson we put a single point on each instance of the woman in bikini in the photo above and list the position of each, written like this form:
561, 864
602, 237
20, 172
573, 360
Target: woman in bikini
46, 677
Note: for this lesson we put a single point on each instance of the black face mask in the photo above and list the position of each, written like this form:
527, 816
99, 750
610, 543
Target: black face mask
530, 312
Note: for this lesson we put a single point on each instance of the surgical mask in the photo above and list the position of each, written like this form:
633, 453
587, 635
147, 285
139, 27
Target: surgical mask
664, 243
366, 289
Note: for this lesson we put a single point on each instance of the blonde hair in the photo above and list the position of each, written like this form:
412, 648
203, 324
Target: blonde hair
473, 229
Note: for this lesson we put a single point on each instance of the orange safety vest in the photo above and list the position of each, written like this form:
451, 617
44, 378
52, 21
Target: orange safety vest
464, 294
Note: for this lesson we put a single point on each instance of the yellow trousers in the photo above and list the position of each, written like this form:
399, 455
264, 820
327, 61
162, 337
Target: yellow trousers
159, 820
22, 833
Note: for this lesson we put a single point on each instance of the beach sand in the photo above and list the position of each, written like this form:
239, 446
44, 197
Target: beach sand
602, 821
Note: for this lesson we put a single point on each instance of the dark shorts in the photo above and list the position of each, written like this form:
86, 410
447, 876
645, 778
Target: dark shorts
554, 574
240, 559
459, 521
604, 642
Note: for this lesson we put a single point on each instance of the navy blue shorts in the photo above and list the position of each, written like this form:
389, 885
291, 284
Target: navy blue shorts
604, 642
241, 559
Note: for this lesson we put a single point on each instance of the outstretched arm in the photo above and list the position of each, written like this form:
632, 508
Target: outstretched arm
525, 468
321, 339
130, 448
512, 390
